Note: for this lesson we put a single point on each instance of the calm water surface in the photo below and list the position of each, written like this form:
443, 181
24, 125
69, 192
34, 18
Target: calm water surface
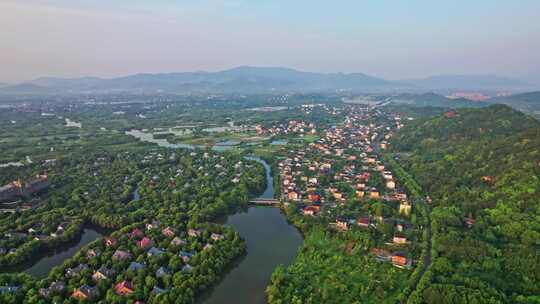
40, 266
271, 241
163, 142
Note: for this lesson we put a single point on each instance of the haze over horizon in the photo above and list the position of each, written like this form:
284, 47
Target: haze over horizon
60, 38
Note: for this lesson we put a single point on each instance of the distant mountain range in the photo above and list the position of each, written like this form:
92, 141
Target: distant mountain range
250, 80
467, 82
26, 88
525, 102
237, 80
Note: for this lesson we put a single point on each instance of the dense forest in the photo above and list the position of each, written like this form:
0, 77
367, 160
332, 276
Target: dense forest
527, 102
481, 168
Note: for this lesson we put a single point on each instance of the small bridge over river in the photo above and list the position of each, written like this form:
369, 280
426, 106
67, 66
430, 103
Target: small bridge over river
265, 202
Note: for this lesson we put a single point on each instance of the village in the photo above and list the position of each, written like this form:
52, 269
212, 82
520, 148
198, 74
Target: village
342, 180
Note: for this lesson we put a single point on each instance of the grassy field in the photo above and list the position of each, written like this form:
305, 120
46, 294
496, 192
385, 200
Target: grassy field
214, 138
310, 138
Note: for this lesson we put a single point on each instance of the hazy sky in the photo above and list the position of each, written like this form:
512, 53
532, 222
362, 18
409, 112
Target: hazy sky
394, 39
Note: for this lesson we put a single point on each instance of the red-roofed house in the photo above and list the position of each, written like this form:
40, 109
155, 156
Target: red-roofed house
136, 233
399, 260
110, 242
314, 197
144, 243
363, 222
168, 232
123, 288
311, 210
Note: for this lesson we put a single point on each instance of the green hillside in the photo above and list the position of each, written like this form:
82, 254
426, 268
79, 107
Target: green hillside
435, 100
527, 102
464, 124
483, 164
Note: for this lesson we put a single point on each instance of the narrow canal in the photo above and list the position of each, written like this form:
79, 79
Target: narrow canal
41, 264
271, 241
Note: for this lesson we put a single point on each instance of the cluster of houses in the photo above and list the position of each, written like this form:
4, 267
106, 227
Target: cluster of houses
343, 167
163, 169
38, 231
132, 250
341, 155
204, 164
18, 188
295, 127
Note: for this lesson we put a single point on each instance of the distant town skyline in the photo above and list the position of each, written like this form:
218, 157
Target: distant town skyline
388, 39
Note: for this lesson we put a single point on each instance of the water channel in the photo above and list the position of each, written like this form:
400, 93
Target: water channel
41, 264
163, 142
271, 241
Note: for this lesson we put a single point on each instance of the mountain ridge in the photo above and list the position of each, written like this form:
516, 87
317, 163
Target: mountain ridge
241, 79
256, 79
470, 82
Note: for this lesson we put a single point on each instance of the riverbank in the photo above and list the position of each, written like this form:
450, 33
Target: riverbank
271, 241
44, 261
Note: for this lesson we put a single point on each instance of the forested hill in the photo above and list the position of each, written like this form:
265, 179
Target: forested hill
464, 124
481, 167
526, 102
435, 100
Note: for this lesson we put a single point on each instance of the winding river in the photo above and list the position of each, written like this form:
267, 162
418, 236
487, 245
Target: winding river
271, 241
